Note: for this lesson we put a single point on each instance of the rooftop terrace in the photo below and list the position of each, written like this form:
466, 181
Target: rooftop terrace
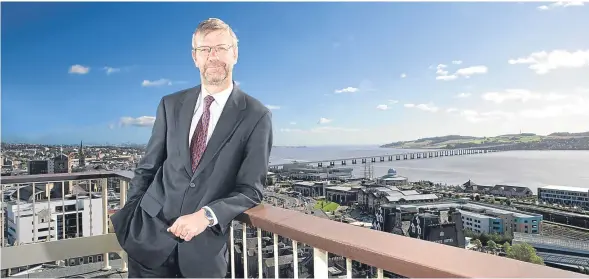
386, 253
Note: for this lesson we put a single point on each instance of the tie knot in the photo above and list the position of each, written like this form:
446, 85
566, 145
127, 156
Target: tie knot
209, 100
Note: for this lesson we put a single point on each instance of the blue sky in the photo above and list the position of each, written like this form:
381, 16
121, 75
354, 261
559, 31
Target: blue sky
402, 70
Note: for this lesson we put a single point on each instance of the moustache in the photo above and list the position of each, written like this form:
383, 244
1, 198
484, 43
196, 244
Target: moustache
215, 64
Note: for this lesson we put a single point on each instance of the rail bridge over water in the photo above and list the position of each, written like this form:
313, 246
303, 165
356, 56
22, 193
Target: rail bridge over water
394, 157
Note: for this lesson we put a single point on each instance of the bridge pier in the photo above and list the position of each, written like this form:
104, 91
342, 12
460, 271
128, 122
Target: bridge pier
382, 159
353, 161
398, 157
320, 164
390, 158
363, 161
404, 156
332, 164
343, 162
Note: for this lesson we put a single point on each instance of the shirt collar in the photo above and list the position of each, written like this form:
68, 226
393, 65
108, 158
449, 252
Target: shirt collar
220, 98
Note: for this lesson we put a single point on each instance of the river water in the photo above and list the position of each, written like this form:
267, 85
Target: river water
523, 168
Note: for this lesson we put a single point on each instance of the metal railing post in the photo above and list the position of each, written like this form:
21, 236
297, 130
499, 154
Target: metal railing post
320, 263
122, 201
104, 182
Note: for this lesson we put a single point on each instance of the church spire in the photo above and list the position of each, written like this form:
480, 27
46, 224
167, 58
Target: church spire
82, 159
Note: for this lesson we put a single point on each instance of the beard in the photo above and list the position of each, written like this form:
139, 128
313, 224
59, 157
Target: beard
215, 73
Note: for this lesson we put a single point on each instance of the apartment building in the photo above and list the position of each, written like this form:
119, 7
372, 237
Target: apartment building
486, 219
29, 222
565, 195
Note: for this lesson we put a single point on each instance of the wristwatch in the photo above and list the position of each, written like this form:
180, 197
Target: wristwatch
209, 216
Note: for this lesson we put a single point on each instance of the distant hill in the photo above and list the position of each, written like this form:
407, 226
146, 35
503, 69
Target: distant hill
523, 141
567, 134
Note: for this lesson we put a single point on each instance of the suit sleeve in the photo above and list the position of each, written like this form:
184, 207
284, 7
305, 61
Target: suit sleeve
251, 176
153, 159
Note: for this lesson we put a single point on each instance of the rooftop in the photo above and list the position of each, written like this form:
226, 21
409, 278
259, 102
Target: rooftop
565, 188
407, 257
471, 206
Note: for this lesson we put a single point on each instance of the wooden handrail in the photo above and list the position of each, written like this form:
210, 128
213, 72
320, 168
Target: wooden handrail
402, 255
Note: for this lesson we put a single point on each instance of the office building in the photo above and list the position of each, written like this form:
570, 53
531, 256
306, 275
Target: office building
564, 195
38, 218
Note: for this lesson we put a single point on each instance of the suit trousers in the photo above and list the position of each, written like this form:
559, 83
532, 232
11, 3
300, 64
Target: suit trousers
169, 269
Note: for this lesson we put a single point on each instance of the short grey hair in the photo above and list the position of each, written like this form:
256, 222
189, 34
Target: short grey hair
210, 25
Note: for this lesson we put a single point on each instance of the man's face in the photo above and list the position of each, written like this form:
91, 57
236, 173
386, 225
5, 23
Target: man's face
215, 55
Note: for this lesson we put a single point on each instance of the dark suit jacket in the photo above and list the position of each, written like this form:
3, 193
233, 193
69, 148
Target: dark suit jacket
229, 179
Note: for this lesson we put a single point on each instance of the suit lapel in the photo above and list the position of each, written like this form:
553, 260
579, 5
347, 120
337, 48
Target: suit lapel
183, 121
230, 118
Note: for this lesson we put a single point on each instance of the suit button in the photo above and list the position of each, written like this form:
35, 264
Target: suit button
192, 185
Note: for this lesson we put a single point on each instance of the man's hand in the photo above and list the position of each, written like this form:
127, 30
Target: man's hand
189, 226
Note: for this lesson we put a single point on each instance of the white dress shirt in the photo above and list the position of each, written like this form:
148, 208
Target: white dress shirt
215, 112
216, 109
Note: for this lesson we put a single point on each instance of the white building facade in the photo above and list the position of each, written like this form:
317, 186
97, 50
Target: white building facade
564, 195
47, 220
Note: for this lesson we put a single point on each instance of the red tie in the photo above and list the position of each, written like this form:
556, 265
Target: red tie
198, 143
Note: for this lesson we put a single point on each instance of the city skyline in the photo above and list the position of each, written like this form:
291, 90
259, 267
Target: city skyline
332, 73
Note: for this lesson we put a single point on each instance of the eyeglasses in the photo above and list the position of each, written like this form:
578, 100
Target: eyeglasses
221, 49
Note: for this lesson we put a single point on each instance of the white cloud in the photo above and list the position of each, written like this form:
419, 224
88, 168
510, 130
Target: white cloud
382, 107
476, 117
451, 110
79, 69
142, 121
111, 70
424, 107
521, 95
560, 4
403, 75
467, 72
272, 107
440, 69
393, 102
543, 62
577, 106
293, 123
159, 82
462, 95
238, 83
346, 90
324, 129
324, 120
443, 73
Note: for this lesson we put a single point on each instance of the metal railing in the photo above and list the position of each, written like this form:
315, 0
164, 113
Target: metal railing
267, 241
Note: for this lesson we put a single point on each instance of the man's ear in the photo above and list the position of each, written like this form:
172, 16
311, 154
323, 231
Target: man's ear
235, 55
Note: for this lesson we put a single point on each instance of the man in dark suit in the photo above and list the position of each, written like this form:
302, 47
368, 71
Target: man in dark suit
206, 162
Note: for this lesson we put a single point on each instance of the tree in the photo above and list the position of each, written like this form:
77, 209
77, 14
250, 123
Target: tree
492, 245
524, 252
477, 244
484, 238
506, 247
